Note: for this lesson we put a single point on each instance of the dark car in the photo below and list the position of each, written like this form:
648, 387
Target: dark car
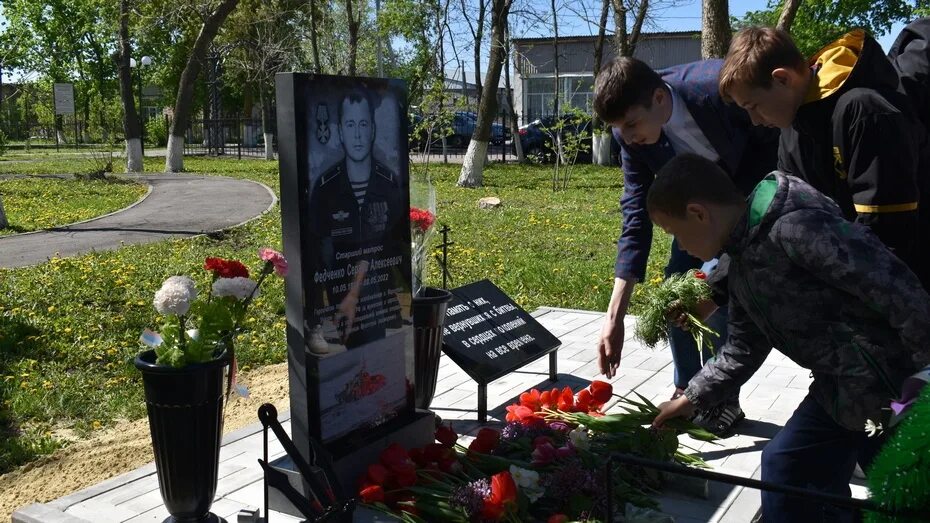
537, 136
463, 127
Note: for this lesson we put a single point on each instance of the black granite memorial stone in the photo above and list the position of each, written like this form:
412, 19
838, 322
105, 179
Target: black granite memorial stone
346, 230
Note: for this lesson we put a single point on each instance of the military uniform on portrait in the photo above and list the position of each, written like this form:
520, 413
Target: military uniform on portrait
349, 232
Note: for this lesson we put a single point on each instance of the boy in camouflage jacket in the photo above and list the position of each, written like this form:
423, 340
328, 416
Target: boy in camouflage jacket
823, 291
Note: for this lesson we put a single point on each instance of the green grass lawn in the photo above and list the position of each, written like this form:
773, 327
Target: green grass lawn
69, 328
39, 203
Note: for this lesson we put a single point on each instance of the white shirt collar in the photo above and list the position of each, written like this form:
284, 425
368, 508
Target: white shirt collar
679, 118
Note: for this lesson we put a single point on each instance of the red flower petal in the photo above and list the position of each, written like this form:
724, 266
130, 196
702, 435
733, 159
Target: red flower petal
601, 391
583, 401
446, 435
372, 494
377, 473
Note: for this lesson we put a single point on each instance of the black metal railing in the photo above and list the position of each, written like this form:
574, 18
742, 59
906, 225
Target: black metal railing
227, 137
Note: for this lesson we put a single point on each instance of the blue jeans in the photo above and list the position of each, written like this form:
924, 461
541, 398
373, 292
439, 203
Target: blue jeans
687, 360
813, 452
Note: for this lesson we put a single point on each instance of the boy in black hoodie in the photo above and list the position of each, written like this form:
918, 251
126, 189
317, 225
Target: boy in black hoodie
846, 129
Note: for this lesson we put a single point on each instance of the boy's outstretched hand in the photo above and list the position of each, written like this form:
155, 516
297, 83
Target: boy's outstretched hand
678, 407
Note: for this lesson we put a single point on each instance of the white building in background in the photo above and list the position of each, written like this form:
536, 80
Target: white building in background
534, 75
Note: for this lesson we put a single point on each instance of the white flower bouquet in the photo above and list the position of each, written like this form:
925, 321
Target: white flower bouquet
197, 331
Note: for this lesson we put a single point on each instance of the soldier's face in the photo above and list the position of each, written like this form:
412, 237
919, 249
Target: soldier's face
356, 129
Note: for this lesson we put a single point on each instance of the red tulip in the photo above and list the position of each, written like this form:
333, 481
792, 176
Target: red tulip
446, 435
567, 400
486, 441
377, 473
396, 459
530, 399
372, 494
503, 494
601, 391
583, 401
416, 455
436, 452
544, 454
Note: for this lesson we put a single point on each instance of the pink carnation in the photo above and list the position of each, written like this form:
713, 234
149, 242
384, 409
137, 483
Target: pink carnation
275, 258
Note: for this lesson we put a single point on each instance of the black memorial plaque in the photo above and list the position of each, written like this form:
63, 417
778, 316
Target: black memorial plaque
489, 336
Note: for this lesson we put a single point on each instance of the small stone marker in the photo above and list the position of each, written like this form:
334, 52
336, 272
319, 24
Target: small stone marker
489, 202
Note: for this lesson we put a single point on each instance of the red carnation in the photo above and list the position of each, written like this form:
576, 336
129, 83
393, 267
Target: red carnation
421, 219
226, 268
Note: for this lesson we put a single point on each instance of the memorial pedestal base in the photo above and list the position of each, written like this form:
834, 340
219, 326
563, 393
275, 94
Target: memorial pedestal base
352, 457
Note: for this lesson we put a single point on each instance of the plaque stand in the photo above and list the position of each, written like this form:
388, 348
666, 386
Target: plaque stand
483, 386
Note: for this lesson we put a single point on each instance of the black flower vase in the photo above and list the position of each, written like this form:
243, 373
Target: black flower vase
429, 315
185, 407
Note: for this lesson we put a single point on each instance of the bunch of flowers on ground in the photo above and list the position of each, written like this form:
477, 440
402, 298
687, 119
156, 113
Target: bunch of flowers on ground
197, 331
546, 464
677, 294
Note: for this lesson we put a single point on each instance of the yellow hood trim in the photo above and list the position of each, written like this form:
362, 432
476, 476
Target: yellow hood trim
836, 61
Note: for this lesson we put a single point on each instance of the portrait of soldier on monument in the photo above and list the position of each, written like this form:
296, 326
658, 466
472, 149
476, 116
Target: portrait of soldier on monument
357, 227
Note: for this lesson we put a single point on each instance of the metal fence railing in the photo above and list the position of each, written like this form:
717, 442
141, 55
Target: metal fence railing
230, 137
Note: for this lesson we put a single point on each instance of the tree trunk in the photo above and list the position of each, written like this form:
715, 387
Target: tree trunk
353, 37
472, 173
479, 35
598, 131
314, 36
3, 221
183, 105
514, 123
715, 28
620, 36
131, 128
556, 110
788, 12
266, 119
625, 42
637, 31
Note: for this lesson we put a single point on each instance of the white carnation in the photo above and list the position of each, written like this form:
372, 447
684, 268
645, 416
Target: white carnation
239, 288
175, 295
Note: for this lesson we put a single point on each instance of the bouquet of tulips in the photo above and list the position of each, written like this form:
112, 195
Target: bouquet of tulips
546, 464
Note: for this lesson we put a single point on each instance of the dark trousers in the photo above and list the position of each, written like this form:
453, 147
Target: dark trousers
812, 451
685, 355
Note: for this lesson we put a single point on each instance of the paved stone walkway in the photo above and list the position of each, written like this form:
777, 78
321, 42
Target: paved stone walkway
177, 206
768, 398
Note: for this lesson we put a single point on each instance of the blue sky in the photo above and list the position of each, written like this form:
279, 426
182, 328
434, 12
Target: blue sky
684, 16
